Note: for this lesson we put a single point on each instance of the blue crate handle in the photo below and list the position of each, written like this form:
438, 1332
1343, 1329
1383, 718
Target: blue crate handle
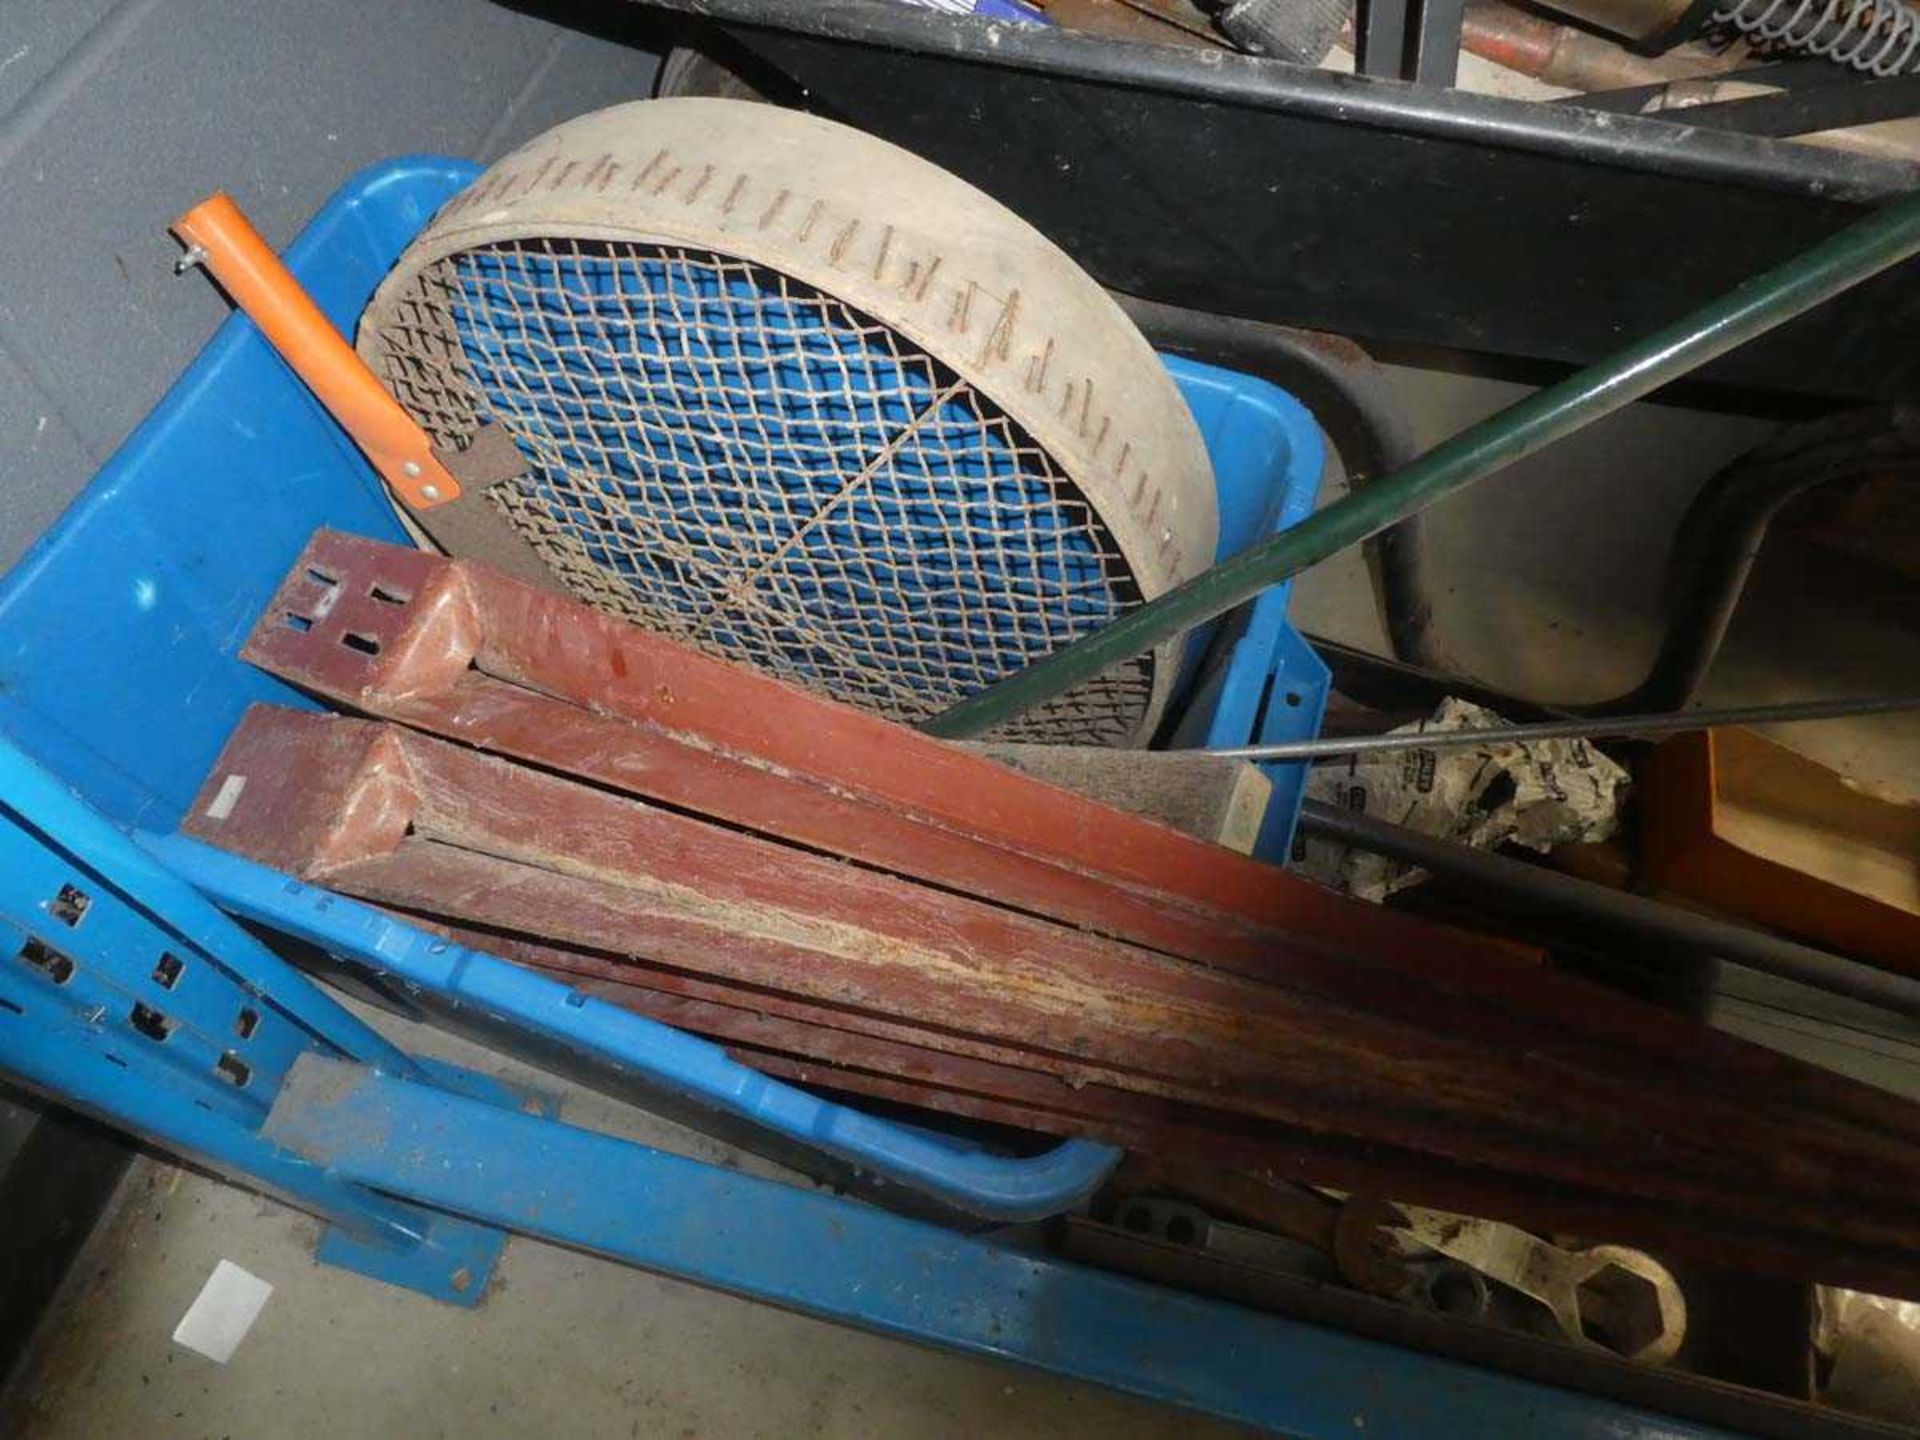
993, 1187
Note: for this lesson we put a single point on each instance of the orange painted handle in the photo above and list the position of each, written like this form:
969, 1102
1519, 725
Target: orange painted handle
218, 235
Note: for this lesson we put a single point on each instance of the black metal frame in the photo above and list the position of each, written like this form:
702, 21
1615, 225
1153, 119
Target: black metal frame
1389, 212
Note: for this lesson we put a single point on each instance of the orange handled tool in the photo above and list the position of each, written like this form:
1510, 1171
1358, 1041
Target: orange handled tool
220, 237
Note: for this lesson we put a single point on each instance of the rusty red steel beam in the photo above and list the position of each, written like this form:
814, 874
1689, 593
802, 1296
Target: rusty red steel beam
1024, 1099
756, 1021
759, 1018
1005, 1094
336, 796
626, 971
817, 1052
1019, 1098
452, 648
859, 1065
395, 817
390, 816
1045, 1103
504, 807
607, 837
581, 964
418, 823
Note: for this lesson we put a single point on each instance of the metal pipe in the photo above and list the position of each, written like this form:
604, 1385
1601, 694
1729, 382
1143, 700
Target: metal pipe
1721, 535
1770, 299
1586, 728
1533, 889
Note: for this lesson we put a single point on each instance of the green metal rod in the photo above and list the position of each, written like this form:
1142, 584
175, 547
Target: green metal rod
1772, 298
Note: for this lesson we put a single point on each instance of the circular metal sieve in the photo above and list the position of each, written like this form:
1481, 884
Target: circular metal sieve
722, 447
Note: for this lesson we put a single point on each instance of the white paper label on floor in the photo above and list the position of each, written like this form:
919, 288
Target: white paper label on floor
219, 1318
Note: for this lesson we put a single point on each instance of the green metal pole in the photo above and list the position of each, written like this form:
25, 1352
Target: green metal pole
1772, 298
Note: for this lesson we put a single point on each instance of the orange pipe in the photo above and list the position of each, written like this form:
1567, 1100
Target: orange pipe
220, 237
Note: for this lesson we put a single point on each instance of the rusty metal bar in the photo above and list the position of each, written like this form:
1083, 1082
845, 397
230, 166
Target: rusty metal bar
1345, 1055
460, 651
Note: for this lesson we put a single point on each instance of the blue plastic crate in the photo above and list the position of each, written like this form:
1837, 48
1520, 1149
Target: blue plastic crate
119, 631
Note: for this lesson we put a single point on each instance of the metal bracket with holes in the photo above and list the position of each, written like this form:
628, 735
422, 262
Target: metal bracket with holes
126, 995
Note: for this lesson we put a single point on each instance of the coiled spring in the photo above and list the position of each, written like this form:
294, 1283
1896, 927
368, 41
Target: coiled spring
1881, 37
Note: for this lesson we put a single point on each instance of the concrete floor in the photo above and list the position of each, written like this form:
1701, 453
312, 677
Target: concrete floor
1550, 580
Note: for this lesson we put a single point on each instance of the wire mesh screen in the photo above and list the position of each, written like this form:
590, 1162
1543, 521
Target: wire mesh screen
725, 455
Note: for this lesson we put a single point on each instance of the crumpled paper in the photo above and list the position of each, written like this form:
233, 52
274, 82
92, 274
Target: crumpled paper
1540, 794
